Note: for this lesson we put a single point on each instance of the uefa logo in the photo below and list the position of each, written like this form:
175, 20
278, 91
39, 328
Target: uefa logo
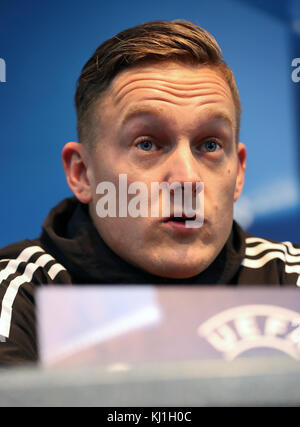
240, 329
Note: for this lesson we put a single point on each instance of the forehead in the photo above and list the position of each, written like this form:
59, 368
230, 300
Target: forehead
169, 86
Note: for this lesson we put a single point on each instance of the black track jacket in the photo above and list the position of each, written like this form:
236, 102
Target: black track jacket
70, 251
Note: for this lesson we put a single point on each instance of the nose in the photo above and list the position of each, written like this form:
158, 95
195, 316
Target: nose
182, 166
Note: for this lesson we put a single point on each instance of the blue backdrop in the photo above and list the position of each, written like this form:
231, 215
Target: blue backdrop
44, 45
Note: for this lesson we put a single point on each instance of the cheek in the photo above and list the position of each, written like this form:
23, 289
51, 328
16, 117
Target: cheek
117, 232
103, 170
220, 191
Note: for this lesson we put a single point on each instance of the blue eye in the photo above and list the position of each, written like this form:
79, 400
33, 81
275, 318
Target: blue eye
145, 145
211, 146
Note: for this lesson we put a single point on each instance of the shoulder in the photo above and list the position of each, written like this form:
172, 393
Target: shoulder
274, 260
28, 261
23, 266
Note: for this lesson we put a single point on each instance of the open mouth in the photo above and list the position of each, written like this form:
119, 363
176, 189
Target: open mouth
180, 219
184, 223
177, 219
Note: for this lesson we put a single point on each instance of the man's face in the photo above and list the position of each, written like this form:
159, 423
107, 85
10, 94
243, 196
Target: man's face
168, 122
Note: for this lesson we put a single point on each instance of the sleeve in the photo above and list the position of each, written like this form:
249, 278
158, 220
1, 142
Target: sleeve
291, 274
19, 275
23, 267
18, 344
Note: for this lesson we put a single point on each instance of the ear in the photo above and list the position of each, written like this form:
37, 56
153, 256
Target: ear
241, 153
75, 162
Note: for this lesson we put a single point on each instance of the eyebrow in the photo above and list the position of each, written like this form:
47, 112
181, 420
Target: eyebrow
219, 115
136, 111
210, 115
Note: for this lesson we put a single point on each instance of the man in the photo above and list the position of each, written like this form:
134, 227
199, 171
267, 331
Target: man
155, 104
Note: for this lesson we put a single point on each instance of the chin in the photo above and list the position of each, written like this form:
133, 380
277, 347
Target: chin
182, 274
179, 271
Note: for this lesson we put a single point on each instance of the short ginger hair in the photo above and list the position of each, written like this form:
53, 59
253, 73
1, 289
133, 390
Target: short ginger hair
156, 41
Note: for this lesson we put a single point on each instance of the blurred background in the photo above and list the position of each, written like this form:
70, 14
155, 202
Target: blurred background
45, 44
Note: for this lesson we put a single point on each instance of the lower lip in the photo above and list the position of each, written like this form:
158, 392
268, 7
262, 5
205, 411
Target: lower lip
179, 226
